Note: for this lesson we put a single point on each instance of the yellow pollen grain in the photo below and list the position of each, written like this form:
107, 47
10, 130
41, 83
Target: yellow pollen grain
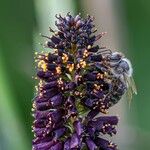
70, 67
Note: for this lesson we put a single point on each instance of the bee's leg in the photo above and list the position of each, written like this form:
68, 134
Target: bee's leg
104, 51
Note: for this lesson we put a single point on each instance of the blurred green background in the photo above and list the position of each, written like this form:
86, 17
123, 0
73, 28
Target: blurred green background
128, 25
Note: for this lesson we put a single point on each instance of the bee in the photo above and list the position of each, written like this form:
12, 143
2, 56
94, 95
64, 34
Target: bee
121, 68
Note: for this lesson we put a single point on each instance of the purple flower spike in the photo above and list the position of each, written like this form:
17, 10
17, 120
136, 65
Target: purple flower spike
78, 82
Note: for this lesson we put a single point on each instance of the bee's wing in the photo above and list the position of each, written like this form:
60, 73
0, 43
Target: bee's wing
131, 88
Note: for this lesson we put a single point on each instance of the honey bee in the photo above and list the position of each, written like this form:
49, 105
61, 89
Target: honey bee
121, 68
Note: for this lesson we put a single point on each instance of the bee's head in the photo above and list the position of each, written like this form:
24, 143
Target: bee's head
115, 56
125, 64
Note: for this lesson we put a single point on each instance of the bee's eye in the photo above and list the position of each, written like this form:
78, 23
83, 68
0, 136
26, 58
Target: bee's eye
124, 65
115, 57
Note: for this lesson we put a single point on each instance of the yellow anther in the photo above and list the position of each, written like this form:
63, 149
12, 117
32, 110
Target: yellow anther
40, 94
64, 58
70, 67
40, 84
36, 53
56, 33
97, 87
58, 70
39, 56
33, 105
105, 74
43, 65
46, 56
89, 46
82, 64
60, 81
36, 88
100, 76
85, 53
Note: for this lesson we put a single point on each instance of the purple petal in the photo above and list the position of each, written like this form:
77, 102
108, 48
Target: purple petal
91, 145
67, 144
57, 146
104, 144
56, 100
43, 146
59, 132
113, 120
78, 127
74, 141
